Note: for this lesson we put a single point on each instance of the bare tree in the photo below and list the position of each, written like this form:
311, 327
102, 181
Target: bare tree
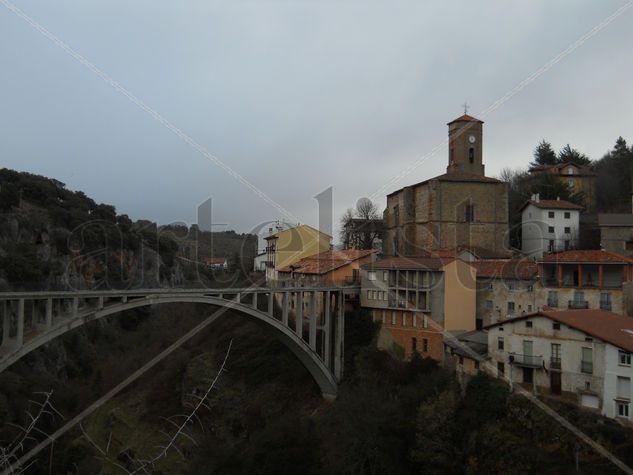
362, 227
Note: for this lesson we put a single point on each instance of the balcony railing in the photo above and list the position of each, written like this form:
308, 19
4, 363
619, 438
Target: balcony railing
531, 361
586, 367
577, 304
554, 363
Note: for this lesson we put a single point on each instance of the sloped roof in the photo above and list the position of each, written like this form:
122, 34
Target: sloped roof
583, 170
326, 261
552, 204
409, 263
520, 269
586, 255
607, 326
466, 118
477, 251
454, 177
304, 226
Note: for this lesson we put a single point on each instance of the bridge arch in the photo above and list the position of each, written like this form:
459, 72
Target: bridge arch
319, 369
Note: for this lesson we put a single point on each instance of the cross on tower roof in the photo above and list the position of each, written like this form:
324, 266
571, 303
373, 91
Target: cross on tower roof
465, 106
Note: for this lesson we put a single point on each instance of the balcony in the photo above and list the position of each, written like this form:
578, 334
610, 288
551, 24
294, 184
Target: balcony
586, 367
554, 363
529, 361
577, 304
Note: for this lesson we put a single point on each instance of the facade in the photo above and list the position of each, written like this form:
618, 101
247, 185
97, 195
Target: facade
417, 299
549, 226
327, 268
288, 246
460, 208
259, 262
578, 178
585, 279
616, 233
506, 289
581, 355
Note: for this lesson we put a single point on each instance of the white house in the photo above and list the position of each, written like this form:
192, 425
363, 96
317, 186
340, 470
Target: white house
216, 262
583, 355
549, 226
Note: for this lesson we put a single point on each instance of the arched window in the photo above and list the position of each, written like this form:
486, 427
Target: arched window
471, 155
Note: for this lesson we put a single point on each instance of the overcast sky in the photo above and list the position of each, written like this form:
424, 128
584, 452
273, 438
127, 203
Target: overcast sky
297, 96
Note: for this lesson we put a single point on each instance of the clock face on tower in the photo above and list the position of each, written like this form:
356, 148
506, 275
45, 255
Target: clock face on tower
472, 139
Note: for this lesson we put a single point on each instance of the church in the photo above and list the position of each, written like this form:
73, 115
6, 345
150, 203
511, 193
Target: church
461, 209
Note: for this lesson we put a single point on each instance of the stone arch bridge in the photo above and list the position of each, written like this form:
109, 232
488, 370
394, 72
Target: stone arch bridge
309, 321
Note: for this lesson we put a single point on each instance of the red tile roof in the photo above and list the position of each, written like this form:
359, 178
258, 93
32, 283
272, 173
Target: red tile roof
520, 269
552, 204
608, 326
587, 255
327, 261
477, 251
466, 118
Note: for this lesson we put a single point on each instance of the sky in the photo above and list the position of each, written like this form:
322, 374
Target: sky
292, 97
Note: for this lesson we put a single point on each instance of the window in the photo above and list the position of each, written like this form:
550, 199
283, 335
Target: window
385, 275
489, 304
528, 324
624, 358
404, 319
469, 213
555, 326
371, 275
570, 183
556, 352
586, 364
393, 318
414, 345
550, 245
570, 171
605, 301
425, 345
510, 285
510, 308
425, 321
550, 229
623, 388
396, 215
567, 245
479, 324
567, 215
369, 295
529, 308
500, 343
471, 155
414, 320
567, 230
500, 369
623, 409
530, 288
550, 214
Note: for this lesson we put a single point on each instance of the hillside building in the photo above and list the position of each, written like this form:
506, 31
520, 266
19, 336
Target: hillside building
581, 355
577, 178
463, 207
417, 300
549, 226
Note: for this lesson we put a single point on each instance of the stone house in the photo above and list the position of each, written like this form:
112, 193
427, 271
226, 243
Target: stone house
578, 178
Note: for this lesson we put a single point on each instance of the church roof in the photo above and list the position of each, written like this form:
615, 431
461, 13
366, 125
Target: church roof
455, 177
466, 118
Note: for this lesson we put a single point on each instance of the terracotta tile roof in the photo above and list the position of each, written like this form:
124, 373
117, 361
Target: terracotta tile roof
520, 269
327, 261
587, 255
409, 263
552, 204
466, 118
608, 326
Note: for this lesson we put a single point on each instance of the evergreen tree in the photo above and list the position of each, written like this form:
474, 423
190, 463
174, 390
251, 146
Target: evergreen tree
568, 154
544, 154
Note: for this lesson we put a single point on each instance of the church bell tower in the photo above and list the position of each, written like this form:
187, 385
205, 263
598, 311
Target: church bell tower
465, 146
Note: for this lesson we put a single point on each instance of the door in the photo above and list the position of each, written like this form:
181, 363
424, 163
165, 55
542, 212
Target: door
528, 375
555, 382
